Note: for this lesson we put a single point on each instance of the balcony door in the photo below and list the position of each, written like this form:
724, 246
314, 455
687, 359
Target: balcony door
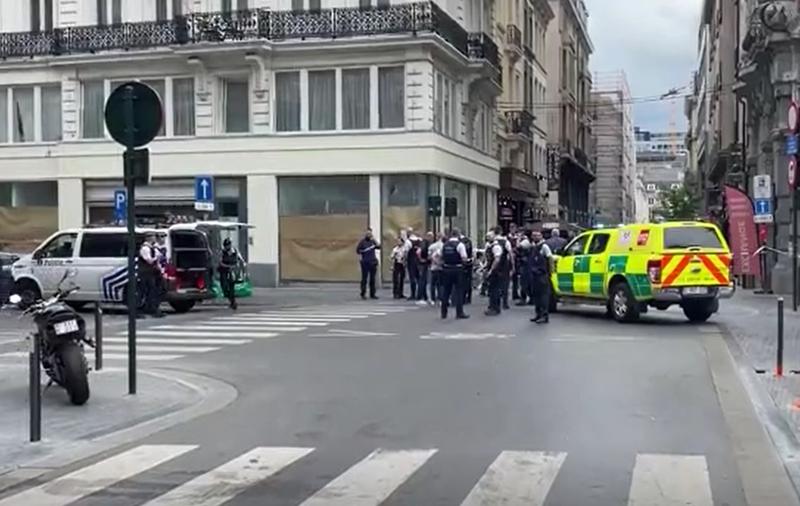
41, 14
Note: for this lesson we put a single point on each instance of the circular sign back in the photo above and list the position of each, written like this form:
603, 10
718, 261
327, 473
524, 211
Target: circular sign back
792, 173
794, 113
147, 114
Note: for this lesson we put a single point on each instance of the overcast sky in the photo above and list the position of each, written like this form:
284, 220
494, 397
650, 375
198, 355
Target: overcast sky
654, 42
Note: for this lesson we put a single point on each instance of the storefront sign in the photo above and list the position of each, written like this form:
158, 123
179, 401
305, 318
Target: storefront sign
514, 179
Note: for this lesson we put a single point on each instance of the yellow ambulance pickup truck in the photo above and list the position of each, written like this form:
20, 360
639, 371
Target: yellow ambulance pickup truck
633, 267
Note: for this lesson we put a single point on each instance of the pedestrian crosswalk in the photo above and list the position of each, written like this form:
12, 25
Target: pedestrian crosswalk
514, 478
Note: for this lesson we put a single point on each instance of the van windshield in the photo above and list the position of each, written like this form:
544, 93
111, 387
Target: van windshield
691, 237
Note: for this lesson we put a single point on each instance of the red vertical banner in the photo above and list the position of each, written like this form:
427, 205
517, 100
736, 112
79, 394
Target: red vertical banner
742, 231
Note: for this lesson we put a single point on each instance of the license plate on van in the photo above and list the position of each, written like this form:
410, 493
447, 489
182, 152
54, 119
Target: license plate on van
66, 327
695, 290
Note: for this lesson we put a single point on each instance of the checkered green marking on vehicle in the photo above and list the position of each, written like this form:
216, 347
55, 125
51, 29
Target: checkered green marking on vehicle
617, 263
596, 284
565, 283
581, 264
640, 285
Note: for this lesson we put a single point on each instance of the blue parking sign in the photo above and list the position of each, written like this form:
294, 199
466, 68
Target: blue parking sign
120, 205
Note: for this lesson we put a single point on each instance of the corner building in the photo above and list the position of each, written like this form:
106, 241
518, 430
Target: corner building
316, 119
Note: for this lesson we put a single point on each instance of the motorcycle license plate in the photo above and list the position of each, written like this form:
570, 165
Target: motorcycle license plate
66, 327
695, 290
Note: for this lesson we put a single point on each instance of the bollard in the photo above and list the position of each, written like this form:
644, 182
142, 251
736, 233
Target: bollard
35, 394
98, 337
779, 358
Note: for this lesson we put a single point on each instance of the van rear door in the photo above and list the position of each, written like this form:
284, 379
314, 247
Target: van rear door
188, 261
694, 254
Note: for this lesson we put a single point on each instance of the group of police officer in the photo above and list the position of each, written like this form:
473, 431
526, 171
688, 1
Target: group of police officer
520, 262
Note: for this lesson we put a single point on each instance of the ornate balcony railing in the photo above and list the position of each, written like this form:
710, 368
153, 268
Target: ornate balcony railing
482, 47
254, 24
519, 122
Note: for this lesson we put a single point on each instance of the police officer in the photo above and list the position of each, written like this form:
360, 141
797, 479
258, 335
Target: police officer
541, 267
229, 261
498, 258
148, 276
454, 256
525, 273
367, 252
468, 269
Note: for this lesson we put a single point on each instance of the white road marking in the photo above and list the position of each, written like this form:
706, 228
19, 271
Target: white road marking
708, 329
88, 480
291, 318
670, 480
14, 354
161, 349
222, 328
372, 480
358, 316
163, 340
142, 357
359, 332
597, 339
228, 480
517, 478
465, 336
176, 333
272, 321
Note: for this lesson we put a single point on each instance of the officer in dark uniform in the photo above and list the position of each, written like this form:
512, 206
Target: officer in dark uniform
468, 269
498, 262
148, 272
454, 256
229, 261
541, 267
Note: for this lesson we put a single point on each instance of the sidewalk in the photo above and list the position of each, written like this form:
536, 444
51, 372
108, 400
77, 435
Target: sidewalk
110, 418
752, 320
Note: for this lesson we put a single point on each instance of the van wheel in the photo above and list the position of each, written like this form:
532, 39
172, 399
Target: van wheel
623, 305
699, 312
182, 306
28, 292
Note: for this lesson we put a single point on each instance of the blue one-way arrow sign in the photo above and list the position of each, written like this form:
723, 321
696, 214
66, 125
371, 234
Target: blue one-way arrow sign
204, 193
791, 145
763, 211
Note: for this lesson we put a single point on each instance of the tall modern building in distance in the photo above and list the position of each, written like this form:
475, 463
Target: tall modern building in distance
662, 163
614, 191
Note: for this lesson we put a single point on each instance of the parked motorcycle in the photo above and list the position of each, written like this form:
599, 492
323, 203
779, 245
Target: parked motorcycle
61, 333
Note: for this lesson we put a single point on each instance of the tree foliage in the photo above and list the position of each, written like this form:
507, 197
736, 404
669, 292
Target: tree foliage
677, 204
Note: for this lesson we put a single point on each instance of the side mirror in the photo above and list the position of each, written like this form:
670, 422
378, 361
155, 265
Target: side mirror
37, 255
15, 299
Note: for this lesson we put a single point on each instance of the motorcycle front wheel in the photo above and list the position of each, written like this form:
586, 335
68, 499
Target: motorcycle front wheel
76, 381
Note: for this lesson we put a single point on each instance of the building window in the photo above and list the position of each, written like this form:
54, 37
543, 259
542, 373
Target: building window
23, 114
322, 100
102, 12
51, 113
161, 10
116, 11
287, 101
355, 99
391, 97
297, 5
227, 5
438, 120
651, 187
183, 106
314, 5
36, 20
237, 106
242, 5
3, 115
177, 8
93, 100
651, 201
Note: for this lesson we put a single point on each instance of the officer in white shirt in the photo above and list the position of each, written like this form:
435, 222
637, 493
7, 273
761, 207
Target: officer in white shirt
149, 273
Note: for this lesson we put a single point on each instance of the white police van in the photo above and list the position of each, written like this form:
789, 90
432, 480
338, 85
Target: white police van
99, 255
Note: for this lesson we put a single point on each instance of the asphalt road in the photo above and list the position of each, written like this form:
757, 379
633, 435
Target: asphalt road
359, 404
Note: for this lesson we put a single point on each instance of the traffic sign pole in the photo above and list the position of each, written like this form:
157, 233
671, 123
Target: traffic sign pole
130, 185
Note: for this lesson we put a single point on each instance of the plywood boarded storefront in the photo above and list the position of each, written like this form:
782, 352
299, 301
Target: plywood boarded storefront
321, 221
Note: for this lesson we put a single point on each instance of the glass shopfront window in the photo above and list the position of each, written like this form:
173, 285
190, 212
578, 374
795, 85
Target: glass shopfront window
481, 215
460, 191
404, 199
28, 214
321, 221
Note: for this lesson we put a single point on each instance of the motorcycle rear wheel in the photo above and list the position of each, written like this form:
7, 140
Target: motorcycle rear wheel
74, 374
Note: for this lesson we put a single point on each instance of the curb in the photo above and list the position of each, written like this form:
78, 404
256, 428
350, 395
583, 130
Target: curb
215, 395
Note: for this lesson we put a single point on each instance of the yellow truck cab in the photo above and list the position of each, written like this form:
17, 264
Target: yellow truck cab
633, 267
